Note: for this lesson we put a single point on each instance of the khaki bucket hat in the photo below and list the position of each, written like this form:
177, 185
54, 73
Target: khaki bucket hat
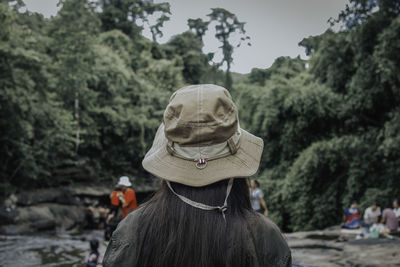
200, 141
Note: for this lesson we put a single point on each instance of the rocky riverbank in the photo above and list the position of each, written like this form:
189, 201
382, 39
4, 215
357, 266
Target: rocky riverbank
67, 208
321, 248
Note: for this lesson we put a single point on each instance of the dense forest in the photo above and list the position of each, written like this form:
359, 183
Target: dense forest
82, 94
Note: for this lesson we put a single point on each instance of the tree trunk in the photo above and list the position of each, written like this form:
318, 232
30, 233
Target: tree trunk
76, 115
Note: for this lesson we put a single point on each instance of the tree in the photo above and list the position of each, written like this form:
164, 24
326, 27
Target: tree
331, 131
35, 128
74, 31
188, 47
198, 27
284, 66
226, 25
124, 15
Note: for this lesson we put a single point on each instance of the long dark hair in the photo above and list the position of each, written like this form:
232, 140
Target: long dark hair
173, 233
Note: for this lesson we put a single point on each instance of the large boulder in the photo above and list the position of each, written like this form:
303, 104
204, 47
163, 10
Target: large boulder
325, 248
45, 216
28, 227
67, 217
90, 191
33, 213
51, 195
7, 216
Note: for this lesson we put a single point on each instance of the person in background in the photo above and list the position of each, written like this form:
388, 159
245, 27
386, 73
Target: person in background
94, 258
371, 214
377, 229
90, 222
257, 197
352, 216
127, 196
389, 218
115, 202
114, 215
114, 197
396, 210
103, 213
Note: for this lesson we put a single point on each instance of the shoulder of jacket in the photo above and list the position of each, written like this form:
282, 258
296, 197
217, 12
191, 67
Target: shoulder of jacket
121, 250
126, 229
260, 221
269, 240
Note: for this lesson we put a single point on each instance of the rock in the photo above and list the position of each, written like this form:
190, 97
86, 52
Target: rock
15, 229
33, 214
11, 202
51, 195
64, 207
90, 191
67, 217
7, 216
44, 225
44, 216
320, 248
28, 228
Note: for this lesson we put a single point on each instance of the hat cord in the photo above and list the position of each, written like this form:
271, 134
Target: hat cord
202, 206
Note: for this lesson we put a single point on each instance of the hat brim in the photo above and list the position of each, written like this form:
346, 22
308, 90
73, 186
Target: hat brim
244, 163
125, 184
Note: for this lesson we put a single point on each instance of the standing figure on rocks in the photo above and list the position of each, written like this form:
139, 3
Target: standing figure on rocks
115, 214
201, 215
257, 197
127, 196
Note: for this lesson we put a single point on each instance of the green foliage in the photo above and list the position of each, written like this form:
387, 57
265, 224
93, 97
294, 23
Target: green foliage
227, 24
283, 66
82, 94
77, 103
73, 32
35, 128
124, 15
360, 11
332, 59
325, 178
188, 48
331, 131
199, 27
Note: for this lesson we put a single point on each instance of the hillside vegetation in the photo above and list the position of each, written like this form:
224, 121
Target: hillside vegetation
82, 94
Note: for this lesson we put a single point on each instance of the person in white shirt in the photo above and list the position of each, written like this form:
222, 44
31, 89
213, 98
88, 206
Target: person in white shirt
372, 214
257, 197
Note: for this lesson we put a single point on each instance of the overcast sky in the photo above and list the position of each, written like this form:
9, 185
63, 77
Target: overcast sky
274, 26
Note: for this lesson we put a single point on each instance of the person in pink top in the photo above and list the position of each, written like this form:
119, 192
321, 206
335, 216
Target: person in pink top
389, 218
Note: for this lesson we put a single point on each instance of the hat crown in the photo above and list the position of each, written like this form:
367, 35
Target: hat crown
200, 115
124, 180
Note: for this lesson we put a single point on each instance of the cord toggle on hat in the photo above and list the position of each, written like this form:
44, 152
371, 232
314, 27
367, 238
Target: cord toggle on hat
201, 164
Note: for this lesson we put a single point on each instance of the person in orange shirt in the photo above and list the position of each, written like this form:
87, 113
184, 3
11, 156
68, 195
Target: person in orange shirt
114, 198
127, 196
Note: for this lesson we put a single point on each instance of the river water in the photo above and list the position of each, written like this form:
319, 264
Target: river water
46, 250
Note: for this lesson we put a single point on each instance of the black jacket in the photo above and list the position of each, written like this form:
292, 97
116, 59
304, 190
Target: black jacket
266, 242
